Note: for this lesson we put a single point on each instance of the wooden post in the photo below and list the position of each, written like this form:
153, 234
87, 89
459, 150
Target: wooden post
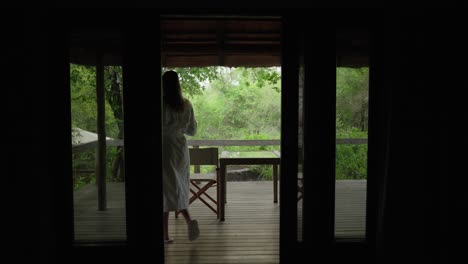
196, 168
275, 183
222, 190
101, 131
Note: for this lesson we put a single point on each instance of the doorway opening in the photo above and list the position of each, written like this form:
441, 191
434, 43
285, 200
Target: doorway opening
230, 70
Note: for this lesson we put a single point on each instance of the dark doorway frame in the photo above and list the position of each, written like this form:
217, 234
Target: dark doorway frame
141, 51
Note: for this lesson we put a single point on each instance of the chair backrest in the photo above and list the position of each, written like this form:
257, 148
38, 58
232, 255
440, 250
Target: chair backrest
204, 156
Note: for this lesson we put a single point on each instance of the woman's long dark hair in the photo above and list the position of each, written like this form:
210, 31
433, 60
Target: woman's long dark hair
172, 92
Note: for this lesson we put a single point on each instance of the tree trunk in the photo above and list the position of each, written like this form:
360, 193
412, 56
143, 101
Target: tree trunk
114, 97
117, 166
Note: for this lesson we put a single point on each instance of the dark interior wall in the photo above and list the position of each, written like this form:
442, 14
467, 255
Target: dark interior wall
449, 89
404, 224
16, 113
25, 209
423, 64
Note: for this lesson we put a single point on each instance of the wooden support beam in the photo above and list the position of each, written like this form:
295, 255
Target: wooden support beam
239, 49
196, 167
101, 131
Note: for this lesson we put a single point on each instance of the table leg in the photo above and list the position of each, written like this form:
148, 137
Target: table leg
275, 183
222, 191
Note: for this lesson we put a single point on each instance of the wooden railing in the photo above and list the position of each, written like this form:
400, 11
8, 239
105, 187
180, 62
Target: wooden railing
219, 143
255, 142
233, 142
273, 142
214, 143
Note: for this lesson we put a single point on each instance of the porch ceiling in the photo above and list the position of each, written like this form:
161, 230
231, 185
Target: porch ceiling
221, 42
200, 42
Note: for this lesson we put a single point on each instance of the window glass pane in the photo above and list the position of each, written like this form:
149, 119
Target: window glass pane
352, 94
97, 219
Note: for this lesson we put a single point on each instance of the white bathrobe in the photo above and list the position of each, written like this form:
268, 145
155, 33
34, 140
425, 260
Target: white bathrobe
175, 159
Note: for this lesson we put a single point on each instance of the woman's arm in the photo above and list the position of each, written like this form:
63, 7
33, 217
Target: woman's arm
192, 122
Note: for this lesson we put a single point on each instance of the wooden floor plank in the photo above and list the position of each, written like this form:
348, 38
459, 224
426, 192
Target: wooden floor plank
250, 233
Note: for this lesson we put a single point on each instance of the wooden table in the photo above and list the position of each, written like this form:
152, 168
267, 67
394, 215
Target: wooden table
246, 158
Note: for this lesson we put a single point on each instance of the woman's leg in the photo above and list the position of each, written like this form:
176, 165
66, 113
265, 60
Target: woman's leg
192, 225
186, 215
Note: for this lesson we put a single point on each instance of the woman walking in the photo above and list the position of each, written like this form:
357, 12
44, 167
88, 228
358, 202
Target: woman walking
178, 121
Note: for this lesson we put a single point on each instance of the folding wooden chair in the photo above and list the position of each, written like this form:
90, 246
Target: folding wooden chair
200, 183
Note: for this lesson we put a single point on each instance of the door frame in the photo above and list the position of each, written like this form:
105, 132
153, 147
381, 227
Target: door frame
141, 64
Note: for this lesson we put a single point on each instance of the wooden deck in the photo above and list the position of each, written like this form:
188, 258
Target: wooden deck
250, 233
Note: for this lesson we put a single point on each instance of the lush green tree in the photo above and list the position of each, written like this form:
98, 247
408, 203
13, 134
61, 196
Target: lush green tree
83, 100
114, 96
194, 80
352, 96
242, 103
239, 105
83, 97
229, 103
84, 114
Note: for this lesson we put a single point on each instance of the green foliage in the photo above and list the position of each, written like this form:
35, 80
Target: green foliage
82, 180
114, 100
194, 80
263, 76
352, 94
84, 115
232, 103
265, 172
351, 162
83, 100
83, 97
238, 105
241, 103
84, 160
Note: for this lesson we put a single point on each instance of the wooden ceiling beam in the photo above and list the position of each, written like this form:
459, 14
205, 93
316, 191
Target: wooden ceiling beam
229, 61
228, 49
